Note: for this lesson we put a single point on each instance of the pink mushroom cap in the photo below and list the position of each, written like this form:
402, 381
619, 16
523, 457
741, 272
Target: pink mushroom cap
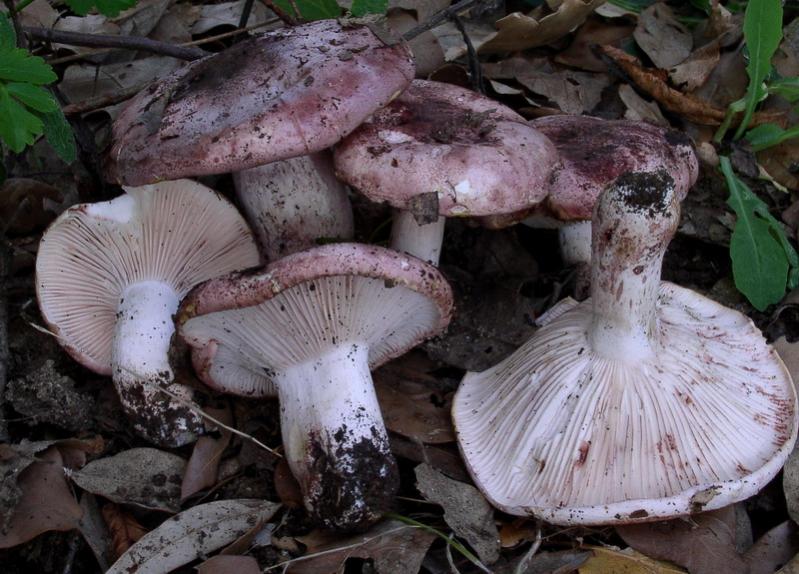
289, 92
477, 155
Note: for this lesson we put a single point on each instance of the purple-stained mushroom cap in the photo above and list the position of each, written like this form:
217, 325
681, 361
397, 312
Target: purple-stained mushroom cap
289, 92
110, 275
315, 323
439, 149
647, 401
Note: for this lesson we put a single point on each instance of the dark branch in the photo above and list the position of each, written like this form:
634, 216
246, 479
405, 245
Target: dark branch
106, 41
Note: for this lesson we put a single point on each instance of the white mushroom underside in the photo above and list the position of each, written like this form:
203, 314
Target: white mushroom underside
179, 233
307, 320
555, 428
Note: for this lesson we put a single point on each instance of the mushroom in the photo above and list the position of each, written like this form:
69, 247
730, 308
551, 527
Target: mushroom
646, 401
315, 323
286, 93
110, 275
442, 151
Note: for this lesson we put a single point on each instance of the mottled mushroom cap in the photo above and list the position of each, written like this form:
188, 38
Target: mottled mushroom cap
286, 93
594, 152
178, 232
303, 304
477, 156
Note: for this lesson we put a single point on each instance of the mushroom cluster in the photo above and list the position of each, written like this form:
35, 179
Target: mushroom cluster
607, 414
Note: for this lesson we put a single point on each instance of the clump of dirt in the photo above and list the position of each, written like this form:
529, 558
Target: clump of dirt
46, 396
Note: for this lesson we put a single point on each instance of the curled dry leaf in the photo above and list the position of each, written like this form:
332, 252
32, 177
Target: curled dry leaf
579, 53
124, 528
144, 477
201, 471
394, 547
518, 31
781, 162
45, 502
191, 534
229, 564
466, 511
574, 92
696, 69
687, 106
638, 109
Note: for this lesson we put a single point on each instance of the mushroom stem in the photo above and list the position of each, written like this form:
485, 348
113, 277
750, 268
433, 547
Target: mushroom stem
422, 241
575, 242
633, 223
335, 440
140, 365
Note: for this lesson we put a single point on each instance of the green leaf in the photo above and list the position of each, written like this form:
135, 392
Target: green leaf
19, 65
18, 127
311, 9
8, 37
105, 7
761, 253
33, 96
767, 135
363, 7
762, 32
59, 135
788, 88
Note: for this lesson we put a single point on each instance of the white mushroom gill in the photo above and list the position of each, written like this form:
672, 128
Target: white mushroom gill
317, 341
645, 401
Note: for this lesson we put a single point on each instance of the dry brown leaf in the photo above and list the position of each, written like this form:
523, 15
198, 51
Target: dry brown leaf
124, 528
441, 458
782, 162
95, 531
394, 547
413, 409
696, 69
427, 53
46, 502
229, 564
28, 205
579, 53
228, 14
466, 511
141, 18
639, 109
174, 27
521, 530
286, 486
38, 13
574, 92
518, 31
627, 561
201, 470
684, 105
661, 36
705, 544
775, 548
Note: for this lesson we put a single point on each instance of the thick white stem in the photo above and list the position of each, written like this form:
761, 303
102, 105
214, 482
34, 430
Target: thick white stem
294, 203
334, 437
140, 365
422, 241
575, 242
633, 224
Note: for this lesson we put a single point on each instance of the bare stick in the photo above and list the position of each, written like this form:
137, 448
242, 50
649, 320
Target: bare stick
107, 41
101, 102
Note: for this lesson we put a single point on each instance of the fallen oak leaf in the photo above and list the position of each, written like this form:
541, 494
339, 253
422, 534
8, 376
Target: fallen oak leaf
201, 470
191, 534
686, 106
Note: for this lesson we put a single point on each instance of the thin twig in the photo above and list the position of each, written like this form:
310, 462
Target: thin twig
475, 71
521, 567
101, 102
287, 20
208, 40
245, 13
439, 18
108, 41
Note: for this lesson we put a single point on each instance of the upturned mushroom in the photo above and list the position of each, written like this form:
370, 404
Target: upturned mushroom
110, 275
646, 401
314, 323
440, 151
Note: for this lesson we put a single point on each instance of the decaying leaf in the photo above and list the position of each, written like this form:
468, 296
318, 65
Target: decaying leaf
560, 562
574, 92
95, 532
518, 31
661, 36
782, 162
441, 458
580, 55
466, 511
191, 534
684, 105
638, 109
394, 547
696, 69
145, 477
790, 475
705, 544
521, 530
774, 549
45, 503
201, 470
228, 14
413, 409
229, 564
125, 530
627, 561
